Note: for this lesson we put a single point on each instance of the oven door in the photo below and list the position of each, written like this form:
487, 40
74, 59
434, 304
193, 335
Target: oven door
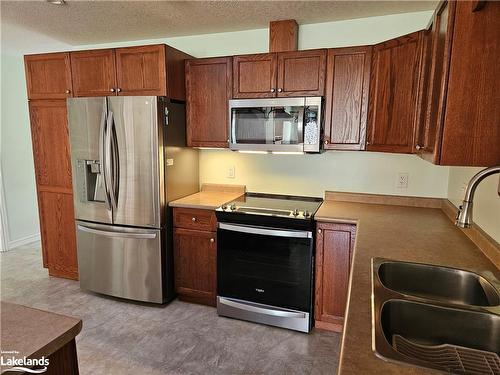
265, 265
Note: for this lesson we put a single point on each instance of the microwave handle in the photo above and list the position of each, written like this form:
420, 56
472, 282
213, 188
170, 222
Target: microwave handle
266, 231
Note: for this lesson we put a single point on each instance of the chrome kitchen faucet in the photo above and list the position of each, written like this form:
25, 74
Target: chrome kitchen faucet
464, 214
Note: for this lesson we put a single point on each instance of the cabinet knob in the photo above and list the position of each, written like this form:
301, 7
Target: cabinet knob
280, 90
212, 240
118, 89
418, 147
68, 91
273, 89
193, 219
112, 90
326, 141
320, 231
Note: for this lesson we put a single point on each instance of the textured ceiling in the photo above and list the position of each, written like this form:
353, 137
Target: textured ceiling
89, 22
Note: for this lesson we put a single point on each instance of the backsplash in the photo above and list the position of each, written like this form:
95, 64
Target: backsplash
364, 172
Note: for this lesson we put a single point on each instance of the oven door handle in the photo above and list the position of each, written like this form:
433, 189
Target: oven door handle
261, 310
266, 231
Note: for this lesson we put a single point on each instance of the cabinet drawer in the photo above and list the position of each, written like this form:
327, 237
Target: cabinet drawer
196, 219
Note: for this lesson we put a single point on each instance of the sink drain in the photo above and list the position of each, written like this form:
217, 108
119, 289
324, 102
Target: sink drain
452, 358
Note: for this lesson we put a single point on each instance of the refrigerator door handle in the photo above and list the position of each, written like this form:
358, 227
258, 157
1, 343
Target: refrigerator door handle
108, 168
116, 233
115, 163
102, 157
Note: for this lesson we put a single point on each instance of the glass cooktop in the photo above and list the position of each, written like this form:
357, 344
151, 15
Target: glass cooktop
273, 205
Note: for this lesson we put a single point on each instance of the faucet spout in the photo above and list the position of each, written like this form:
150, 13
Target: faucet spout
464, 214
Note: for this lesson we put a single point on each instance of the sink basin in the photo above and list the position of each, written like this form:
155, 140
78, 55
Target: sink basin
445, 338
435, 317
438, 283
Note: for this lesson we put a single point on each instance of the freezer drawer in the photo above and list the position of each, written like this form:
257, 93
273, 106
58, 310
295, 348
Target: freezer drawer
120, 262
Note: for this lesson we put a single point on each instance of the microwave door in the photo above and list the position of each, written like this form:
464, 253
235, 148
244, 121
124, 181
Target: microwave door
87, 129
135, 166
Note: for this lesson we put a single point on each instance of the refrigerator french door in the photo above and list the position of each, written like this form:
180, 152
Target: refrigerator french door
119, 173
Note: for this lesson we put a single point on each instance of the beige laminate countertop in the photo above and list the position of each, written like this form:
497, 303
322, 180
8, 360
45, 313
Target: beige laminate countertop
210, 197
417, 234
34, 333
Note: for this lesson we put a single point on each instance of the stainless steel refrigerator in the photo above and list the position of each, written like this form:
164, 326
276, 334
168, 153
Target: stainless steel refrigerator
129, 159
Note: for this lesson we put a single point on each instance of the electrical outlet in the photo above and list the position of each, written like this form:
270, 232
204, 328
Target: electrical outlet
402, 182
231, 172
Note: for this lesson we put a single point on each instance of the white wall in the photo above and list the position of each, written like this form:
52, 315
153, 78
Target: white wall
15, 136
486, 210
352, 171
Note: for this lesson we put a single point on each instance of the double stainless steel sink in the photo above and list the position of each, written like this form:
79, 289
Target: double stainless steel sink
436, 317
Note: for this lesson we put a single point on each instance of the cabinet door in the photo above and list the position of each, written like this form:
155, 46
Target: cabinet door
57, 227
94, 72
141, 70
50, 139
334, 245
471, 134
301, 73
254, 76
394, 84
429, 136
48, 76
195, 262
208, 89
347, 86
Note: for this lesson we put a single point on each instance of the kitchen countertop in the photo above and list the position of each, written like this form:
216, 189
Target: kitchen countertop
34, 333
417, 234
210, 197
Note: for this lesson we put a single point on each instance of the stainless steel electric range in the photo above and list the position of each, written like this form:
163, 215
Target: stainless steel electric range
265, 259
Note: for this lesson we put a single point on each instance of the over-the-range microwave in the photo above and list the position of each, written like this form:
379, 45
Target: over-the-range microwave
276, 125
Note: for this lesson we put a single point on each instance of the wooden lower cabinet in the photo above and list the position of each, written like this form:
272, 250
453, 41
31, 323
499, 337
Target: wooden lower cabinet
195, 258
334, 246
57, 226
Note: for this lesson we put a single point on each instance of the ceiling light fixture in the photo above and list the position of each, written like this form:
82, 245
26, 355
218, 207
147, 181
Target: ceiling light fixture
56, 2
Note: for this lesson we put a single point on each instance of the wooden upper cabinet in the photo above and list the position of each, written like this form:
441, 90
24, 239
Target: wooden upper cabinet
301, 73
436, 57
334, 248
141, 70
51, 150
471, 130
208, 89
284, 74
347, 86
254, 76
94, 72
394, 87
48, 76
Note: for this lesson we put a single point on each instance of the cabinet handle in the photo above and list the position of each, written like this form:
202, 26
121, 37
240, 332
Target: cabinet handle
280, 90
68, 91
193, 219
212, 240
112, 90
320, 231
118, 89
273, 89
